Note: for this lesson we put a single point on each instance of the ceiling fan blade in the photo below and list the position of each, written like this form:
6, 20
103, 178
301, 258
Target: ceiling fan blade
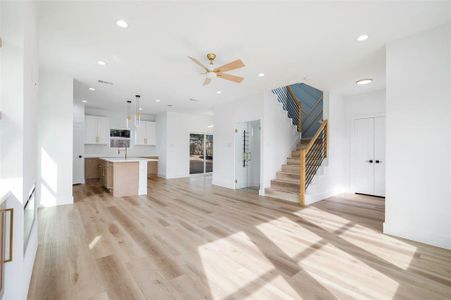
233, 78
198, 63
207, 81
236, 64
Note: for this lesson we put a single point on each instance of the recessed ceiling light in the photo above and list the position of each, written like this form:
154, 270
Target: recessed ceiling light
364, 81
157, 100
261, 74
210, 126
121, 23
140, 108
218, 92
362, 37
101, 62
92, 89
84, 101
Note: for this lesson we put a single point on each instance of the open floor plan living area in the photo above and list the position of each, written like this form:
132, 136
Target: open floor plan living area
225, 150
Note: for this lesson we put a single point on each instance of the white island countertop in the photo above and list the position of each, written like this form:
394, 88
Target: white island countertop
129, 159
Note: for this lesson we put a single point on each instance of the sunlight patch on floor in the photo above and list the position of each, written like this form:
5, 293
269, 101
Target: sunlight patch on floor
399, 253
285, 233
347, 271
94, 242
231, 272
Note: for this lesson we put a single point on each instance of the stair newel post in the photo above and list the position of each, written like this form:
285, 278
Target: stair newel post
302, 178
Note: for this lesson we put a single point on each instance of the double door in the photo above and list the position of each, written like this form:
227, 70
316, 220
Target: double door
368, 156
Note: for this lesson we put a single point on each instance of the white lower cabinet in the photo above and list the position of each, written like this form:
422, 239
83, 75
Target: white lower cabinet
97, 130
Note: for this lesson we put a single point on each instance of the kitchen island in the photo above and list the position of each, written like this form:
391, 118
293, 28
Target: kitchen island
125, 176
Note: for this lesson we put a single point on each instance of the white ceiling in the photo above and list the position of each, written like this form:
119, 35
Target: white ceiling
312, 42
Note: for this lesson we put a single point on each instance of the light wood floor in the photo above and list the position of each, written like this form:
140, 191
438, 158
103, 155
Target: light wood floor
190, 240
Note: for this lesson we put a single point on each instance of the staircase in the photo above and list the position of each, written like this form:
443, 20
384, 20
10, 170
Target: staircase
287, 183
306, 159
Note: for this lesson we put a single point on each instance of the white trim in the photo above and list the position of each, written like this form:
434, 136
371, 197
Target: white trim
430, 238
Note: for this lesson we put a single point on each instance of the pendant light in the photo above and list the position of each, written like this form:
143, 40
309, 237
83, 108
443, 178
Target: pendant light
128, 119
138, 111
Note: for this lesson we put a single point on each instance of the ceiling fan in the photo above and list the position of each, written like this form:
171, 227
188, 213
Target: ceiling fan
211, 71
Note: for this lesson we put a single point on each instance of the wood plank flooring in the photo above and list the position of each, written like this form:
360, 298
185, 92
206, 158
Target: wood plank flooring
189, 239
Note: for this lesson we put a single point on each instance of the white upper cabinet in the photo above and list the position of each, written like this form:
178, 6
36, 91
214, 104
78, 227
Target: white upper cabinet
146, 134
97, 130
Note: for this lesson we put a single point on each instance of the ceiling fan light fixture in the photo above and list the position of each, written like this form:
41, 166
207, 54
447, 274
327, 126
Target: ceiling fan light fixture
211, 74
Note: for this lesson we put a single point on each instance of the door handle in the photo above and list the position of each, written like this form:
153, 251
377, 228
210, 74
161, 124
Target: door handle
378, 161
370, 161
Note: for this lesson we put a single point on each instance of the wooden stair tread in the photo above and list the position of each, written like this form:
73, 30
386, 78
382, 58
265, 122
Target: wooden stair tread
286, 180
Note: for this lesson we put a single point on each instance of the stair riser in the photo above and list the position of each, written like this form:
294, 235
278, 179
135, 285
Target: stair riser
292, 161
291, 176
290, 168
282, 196
285, 186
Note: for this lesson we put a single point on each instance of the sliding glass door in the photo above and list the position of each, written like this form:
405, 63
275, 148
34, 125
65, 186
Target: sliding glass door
200, 153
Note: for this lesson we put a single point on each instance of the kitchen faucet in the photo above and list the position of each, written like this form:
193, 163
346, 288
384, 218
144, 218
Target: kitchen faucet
119, 152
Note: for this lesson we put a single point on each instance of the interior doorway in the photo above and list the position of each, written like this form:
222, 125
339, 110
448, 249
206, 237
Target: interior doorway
247, 155
368, 156
200, 153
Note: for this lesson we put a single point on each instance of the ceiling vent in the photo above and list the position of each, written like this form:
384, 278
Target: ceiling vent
105, 82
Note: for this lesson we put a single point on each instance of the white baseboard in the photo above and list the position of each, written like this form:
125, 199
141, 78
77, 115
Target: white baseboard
312, 198
224, 183
425, 237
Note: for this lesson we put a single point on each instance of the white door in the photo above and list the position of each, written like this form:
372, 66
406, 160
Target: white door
362, 156
379, 156
368, 156
241, 167
78, 169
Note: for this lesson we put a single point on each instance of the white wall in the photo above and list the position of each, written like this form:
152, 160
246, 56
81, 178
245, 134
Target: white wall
161, 147
55, 138
359, 106
418, 169
225, 118
18, 167
117, 121
78, 167
278, 137
340, 110
178, 128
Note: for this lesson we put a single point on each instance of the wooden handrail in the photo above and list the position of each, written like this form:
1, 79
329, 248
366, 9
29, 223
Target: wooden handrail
298, 105
315, 137
302, 157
